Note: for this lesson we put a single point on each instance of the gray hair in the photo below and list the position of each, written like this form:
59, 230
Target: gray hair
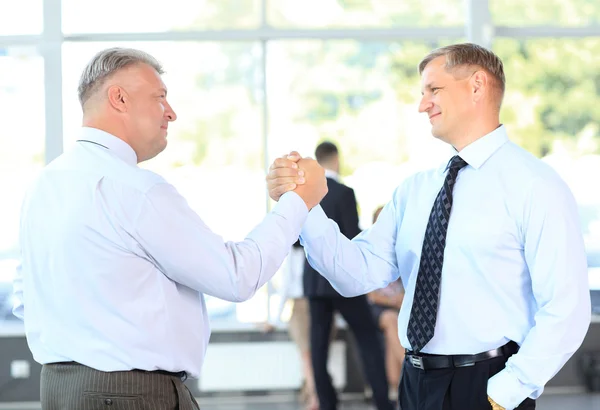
469, 54
106, 63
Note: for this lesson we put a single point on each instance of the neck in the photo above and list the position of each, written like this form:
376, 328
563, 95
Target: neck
330, 165
474, 131
110, 127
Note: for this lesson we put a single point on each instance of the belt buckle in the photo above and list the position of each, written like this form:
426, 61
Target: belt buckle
417, 362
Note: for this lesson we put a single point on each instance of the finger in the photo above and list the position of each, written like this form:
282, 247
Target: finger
284, 172
277, 182
283, 163
294, 156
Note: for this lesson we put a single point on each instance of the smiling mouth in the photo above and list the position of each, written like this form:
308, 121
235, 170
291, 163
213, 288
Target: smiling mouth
435, 115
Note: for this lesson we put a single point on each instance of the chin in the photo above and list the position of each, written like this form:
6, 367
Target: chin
437, 130
162, 147
439, 135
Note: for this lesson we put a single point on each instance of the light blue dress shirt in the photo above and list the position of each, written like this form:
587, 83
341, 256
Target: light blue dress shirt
115, 262
514, 264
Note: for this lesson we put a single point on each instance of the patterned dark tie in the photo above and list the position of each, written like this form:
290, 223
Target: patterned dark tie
423, 315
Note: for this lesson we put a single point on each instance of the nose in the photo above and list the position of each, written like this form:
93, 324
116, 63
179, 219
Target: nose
425, 104
170, 113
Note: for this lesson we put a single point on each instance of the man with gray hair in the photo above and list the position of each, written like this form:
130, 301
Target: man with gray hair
488, 247
115, 262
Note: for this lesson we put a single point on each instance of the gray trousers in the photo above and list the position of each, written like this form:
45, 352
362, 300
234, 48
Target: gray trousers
71, 386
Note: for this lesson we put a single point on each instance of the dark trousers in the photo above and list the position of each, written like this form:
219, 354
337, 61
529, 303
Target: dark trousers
71, 386
462, 388
357, 314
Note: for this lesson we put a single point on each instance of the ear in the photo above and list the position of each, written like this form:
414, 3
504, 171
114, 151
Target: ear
479, 84
118, 98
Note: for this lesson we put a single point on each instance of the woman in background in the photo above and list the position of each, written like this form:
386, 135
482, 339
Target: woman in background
299, 323
385, 305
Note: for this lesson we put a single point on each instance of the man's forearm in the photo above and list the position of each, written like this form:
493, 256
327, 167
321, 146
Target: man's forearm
383, 300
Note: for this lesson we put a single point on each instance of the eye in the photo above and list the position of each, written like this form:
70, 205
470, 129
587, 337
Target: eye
434, 90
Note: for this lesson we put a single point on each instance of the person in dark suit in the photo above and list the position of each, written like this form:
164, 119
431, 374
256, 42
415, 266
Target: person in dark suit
340, 205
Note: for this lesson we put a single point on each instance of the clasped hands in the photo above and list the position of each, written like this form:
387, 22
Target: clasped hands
305, 176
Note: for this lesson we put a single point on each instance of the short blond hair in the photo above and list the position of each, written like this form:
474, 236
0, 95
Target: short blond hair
469, 54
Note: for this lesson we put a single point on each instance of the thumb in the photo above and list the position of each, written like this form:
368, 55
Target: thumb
294, 156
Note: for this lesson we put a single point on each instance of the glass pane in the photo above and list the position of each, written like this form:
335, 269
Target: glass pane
545, 12
21, 17
22, 153
158, 16
214, 156
552, 108
365, 13
362, 96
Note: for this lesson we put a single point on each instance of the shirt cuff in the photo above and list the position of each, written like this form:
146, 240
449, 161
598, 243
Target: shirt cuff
315, 224
291, 206
506, 389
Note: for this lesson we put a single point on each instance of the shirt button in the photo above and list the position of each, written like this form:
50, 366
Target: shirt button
108, 402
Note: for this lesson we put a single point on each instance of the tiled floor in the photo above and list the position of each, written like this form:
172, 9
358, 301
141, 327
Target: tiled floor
548, 402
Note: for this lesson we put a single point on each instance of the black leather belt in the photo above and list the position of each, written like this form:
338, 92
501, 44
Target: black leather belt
432, 361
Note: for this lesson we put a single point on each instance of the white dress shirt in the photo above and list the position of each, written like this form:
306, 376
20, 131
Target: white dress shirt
514, 263
115, 263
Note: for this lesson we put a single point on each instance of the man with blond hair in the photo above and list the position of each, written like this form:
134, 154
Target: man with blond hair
116, 263
488, 247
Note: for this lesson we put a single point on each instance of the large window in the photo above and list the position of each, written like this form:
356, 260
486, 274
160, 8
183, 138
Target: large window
552, 108
22, 153
133, 16
21, 17
545, 12
365, 13
253, 79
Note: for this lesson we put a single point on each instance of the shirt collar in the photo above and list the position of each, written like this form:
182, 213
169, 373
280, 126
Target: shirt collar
332, 174
116, 145
476, 153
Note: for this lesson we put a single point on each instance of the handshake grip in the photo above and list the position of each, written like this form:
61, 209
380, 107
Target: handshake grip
303, 175
315, 186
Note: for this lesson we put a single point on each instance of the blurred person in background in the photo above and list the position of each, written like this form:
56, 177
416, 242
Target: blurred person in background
299, 322
385, 306
340, 205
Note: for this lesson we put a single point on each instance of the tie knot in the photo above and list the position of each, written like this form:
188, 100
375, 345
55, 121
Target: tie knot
456, 164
